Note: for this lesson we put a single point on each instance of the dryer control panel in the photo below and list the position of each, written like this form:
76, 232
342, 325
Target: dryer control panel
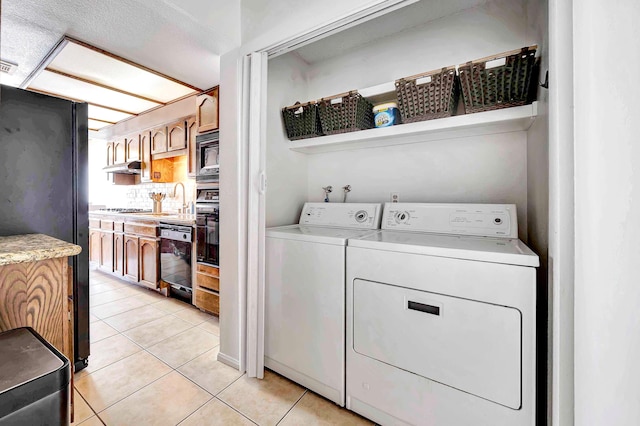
342, 215
488, 220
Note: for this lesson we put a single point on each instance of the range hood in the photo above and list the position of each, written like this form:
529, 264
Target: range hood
130, 168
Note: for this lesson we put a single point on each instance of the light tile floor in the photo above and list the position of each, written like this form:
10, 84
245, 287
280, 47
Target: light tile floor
154, 362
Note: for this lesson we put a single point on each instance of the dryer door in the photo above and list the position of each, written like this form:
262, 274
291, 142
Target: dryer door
469, 345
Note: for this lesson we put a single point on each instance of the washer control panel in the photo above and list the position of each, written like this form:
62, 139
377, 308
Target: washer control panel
489, 220
342, 215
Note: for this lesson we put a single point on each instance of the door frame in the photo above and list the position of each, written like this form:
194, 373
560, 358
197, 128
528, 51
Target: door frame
254, 83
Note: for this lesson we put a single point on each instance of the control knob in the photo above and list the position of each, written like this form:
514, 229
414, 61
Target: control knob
361, 216
402, 217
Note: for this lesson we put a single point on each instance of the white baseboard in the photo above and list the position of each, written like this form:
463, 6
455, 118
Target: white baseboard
226, 359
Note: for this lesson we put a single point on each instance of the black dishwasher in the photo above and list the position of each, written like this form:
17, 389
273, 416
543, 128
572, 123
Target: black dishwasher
175, 259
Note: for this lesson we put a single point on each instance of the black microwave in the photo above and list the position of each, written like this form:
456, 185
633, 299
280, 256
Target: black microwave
207, 157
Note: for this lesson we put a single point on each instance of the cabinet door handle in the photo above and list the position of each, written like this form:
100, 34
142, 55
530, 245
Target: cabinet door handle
422, 307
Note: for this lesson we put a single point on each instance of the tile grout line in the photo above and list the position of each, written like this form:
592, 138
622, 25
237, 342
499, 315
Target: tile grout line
105, 366
293, 406
136, 391
232, 407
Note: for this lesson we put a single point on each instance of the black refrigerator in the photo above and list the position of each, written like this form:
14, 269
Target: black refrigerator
44, 184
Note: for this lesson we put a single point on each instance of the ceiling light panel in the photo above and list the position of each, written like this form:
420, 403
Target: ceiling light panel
97, 125
104, 69
106, 114
68, 87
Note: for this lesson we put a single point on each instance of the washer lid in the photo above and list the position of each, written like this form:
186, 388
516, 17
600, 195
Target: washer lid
484, 249
317, 234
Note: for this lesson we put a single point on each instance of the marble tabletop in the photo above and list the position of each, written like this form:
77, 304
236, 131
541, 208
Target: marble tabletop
34, 247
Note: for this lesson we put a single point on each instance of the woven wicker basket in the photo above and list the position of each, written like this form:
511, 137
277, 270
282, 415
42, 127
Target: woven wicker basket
499, 87
429, 95
302, 121
346, 112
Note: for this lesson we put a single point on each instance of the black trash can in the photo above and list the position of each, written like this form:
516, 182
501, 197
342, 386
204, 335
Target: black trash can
34, 380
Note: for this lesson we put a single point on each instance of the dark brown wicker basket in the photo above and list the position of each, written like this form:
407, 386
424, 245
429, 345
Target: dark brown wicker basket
500, 87
346, 112
437, 97
302, 121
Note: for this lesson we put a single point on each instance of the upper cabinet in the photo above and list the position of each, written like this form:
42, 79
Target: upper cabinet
110, 153
207, 111
176, 136
192, 132
159, 140
133, 148
119, 150
145, 151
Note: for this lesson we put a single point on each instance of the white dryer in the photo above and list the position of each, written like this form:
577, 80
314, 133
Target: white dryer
305, 294
441, 318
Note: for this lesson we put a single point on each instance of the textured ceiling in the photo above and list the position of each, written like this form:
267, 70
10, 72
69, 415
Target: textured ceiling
180, 38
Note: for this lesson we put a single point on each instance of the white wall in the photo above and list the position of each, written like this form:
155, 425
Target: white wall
286, 169
489, 28
607, 196
485, 169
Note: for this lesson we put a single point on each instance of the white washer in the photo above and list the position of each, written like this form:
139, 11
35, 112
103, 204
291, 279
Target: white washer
305, 294
441, 318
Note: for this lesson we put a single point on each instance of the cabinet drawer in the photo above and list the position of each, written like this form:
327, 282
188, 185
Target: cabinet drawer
107, 225
118, 226
141, 229
208, 282
208, 301
209, 270
94, 223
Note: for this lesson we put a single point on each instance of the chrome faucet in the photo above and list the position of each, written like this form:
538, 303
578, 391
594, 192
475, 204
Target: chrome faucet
182, 210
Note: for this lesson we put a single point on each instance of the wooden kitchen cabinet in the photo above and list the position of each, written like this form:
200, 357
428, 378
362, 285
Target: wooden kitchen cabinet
94, 245
149, 255
145, 156
176, 136
118, 254
131, 253
35, 294
207, 107
119, 151
207, 288
109, 159
159, 140
106, 251
192, 132
133, 148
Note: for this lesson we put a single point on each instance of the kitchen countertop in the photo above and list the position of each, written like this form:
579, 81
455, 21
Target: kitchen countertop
34, 247
175, 218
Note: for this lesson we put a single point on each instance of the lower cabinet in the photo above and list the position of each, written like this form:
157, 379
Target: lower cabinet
207, 288
129, 249
149, 264
94, 245
131, 264
118, 254
106, 251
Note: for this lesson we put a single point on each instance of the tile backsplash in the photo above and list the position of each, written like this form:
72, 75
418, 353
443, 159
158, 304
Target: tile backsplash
137, 196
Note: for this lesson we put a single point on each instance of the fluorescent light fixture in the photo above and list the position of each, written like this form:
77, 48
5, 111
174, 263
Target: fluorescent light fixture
115, 88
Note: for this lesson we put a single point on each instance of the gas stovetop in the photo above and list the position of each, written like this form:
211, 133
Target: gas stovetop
124, 210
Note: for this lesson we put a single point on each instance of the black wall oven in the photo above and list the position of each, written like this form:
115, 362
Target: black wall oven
207, 157
207, 226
